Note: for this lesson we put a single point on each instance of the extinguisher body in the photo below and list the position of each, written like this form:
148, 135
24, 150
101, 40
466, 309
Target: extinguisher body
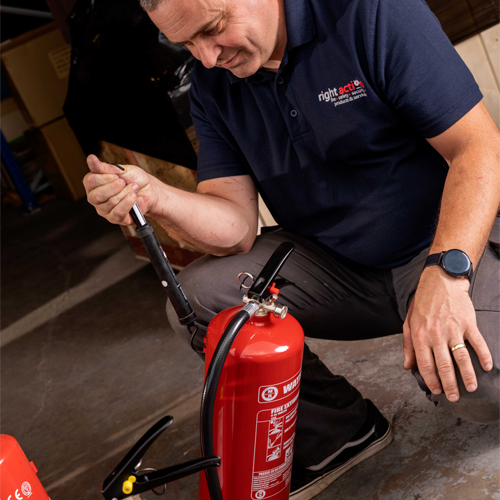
256, 406
19, 479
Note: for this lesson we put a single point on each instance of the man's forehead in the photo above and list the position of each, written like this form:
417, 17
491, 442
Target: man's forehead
180, 19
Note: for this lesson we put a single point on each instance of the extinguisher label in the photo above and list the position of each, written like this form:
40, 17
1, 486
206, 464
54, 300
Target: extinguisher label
280, 391
275, 431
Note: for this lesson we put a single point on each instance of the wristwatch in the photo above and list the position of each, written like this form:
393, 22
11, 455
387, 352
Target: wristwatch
455, 262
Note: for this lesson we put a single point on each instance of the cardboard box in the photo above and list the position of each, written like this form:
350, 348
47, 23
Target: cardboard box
12, 120
36, 66
61, 158
67, 154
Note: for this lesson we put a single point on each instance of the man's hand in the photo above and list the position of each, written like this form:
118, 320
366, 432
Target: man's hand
441, 316
113, 192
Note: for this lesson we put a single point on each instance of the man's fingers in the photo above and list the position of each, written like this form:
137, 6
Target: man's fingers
99, 167
476, 340
427, 369
408, 350
120, 214
93, 181
462, 358
446, 371
112, 197
103, 194
102, 172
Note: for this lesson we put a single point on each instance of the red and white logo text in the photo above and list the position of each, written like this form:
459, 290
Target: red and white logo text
344, 93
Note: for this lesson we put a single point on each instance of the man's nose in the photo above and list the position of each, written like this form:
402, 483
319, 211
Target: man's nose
207, 52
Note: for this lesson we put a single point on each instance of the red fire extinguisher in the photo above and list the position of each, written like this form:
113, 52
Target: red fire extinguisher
19, 479
250, 397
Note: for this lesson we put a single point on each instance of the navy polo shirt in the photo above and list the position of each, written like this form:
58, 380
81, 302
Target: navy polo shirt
335, 141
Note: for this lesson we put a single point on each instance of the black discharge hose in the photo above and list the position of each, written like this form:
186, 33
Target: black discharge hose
210, 392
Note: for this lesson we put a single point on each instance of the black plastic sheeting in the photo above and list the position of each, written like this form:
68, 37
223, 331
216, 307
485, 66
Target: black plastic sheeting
127, 84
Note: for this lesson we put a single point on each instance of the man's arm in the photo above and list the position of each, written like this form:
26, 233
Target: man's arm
221, 218
441, 314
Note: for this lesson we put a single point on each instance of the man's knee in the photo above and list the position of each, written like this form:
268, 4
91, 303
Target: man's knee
195, 281
481, 406
210, 285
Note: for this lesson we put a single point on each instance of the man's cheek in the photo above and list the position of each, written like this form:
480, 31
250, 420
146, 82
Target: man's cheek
232, 40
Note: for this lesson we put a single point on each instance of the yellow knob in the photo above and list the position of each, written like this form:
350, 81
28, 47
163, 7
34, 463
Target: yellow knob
128, 485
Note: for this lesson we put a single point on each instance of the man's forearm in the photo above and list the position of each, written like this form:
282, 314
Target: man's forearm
215, 225
470, 201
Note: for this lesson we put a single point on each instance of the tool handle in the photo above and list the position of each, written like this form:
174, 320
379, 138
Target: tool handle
161, 265
166, 274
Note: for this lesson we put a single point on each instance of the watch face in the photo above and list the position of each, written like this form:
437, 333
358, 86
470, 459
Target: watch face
456, 262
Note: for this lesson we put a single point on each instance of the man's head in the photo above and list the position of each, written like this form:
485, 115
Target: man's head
239, 35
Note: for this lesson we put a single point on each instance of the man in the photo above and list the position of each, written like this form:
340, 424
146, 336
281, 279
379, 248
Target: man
358, 124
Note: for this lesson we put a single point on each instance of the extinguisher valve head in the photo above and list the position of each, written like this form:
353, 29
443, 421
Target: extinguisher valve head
267, 306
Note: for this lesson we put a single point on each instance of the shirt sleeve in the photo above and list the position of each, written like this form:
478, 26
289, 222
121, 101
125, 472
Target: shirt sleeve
216, 157
418, 70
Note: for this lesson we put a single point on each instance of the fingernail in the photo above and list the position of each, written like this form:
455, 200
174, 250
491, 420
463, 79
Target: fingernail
134, 196
471, 387
123, 183
135, 187
436, 391
488, 366
453, 397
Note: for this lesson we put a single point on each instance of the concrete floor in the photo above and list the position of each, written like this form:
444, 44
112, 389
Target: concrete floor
89, 363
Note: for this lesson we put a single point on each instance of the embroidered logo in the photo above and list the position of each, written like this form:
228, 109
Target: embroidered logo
345, 93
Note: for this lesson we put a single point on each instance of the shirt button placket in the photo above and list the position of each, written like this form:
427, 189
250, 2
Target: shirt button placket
294, 127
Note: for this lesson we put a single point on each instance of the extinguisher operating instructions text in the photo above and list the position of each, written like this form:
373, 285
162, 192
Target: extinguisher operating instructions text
274, 436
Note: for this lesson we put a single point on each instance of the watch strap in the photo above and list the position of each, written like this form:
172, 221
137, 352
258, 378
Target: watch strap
470, 273
433, 259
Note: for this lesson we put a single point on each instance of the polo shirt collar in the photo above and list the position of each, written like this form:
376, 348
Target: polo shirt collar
300, 29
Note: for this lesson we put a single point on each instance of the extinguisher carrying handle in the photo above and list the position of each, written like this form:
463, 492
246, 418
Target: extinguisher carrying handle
113, 486
260, 287
162, 266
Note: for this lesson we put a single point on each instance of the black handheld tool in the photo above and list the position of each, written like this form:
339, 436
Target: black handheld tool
162, 266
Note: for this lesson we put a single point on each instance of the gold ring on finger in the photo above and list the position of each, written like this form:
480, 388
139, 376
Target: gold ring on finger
458, 346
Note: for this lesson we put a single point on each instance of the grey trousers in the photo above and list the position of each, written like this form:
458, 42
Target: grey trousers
335, 300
